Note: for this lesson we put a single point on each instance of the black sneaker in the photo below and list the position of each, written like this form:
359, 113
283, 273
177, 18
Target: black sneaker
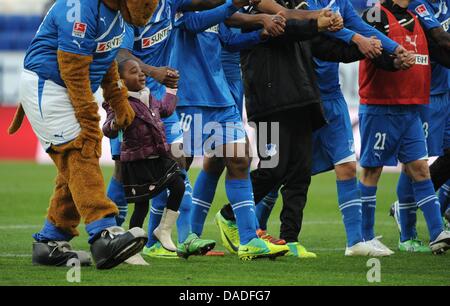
115, 245
57, 253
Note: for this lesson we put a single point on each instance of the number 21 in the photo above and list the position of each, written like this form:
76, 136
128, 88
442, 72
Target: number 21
381, 141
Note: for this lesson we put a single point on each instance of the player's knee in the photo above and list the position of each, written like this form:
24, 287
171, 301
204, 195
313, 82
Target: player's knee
418, 170
370, 176
117, 171
346, 171
214, 165
237, 167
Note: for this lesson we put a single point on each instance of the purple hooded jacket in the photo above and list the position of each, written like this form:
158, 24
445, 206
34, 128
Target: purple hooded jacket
145, 136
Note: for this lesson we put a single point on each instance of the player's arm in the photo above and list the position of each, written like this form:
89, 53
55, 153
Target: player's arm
271, 7
164, 75
273, 24
438, 53
353, 22
234, 42
200, 5
441, 37
334, 50
201, 21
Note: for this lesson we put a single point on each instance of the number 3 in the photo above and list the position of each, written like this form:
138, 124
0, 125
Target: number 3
381, 141
425, 129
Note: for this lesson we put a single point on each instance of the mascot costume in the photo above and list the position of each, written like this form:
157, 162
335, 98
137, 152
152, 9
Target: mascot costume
71, 56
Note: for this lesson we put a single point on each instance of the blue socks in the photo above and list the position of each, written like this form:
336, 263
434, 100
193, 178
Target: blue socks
184, 219
349, 198
407, 207
240, 195
444, 197
51, 233
264, 208
96, 227
117, 195
369, 200
428, 202
156, 211
204, 191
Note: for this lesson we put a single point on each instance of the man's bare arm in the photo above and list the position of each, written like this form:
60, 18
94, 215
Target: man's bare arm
273, 24
441, 37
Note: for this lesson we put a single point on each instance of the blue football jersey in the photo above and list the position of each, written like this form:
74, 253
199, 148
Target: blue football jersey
433, 14
231, 60
152, 42
85, 27
197, 55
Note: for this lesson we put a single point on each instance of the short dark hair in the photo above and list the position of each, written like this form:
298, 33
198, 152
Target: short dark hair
122, 64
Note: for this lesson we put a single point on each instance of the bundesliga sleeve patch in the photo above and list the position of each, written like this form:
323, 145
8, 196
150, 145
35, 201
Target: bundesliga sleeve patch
422, 11
79, 29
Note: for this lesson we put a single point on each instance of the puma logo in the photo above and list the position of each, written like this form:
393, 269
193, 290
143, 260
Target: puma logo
411, 41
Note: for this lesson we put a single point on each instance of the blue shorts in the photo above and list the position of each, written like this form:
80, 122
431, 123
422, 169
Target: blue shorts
333, 144
389, 138
237, 91
172, 128
206, 128
436, 125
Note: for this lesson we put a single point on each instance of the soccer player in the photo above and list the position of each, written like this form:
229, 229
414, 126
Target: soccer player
209, 115
151, 45
390, 125
434, 16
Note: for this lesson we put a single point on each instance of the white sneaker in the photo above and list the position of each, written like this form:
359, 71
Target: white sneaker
365, 249
441, 244
377, 244
137, 260
395, 212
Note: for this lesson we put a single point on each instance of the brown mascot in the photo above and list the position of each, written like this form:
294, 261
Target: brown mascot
72, 55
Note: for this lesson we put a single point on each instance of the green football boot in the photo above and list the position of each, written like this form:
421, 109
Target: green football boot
157, 251
414, 246
194, 246
298, 250
228, 233
259, 248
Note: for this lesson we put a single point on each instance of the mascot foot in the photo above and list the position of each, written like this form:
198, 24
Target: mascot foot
57, 253
114, 246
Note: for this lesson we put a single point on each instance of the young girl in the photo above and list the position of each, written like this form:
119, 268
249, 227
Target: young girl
147, 166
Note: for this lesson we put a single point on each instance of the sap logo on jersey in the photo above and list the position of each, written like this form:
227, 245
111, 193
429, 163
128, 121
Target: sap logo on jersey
79, 29
107, 46
156, 38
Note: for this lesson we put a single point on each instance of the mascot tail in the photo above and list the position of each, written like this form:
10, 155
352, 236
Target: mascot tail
17, 121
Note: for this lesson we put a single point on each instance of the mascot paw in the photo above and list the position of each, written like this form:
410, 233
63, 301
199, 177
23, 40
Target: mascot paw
124, 115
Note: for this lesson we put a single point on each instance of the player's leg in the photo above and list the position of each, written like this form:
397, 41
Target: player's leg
264, 208
238, 186
115, 188
414, 155
204, 191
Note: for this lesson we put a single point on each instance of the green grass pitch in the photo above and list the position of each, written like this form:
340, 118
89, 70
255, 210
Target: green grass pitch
25, 189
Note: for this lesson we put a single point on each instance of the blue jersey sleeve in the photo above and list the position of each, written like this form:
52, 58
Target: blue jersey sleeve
180, 5
234, 42
198, 22
424, 12
128, 40
76, 22
353, 22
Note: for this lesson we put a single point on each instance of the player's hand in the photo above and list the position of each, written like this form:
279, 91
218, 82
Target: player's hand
337, 22
405, 60
166, 76
370, 47
242, 3
324, 20
274, 24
